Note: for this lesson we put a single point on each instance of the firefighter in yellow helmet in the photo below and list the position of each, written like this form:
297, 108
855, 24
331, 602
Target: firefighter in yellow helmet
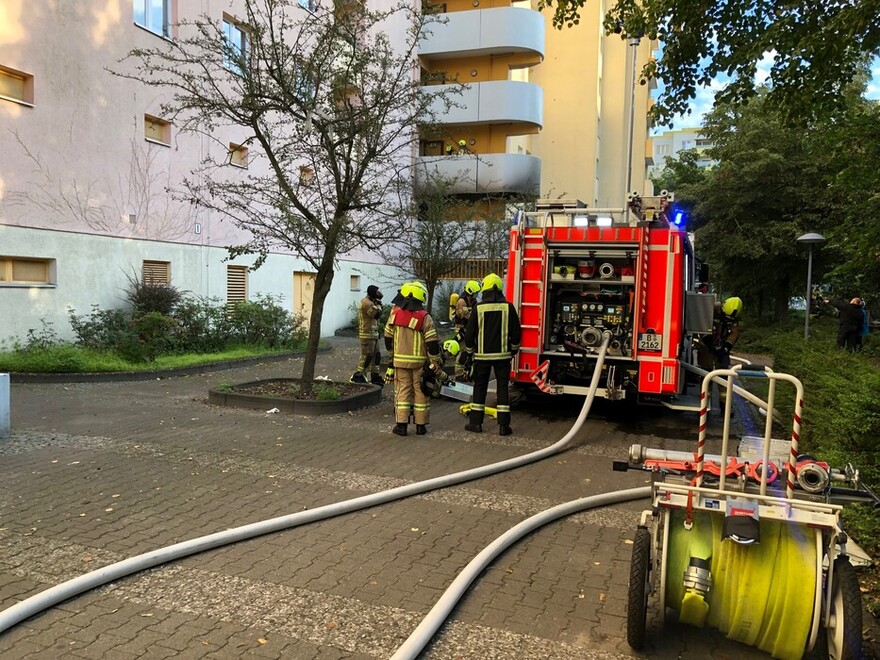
463, 307
491, 339
714, 350
413, 345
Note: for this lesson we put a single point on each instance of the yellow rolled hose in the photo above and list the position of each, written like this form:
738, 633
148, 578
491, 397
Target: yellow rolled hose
762, 594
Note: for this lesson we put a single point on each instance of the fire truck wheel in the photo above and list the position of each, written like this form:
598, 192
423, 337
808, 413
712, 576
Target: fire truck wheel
639, 577
844, 627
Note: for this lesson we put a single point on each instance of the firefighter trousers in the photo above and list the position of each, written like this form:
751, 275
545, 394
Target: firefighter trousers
407, 392
482, 374
368, 357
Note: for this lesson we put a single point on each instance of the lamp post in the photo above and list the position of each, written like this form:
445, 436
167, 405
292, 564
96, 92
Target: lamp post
810, 240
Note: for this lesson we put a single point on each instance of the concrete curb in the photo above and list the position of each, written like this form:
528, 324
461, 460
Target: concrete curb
124, 376
372, 395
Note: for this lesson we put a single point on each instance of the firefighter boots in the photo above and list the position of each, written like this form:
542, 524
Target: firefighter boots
357, 377
399, 429
421, 429
473, 428
504, 430
376, 379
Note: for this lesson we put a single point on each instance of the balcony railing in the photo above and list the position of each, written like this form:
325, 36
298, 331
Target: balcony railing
518, 174
484, 32
497, 101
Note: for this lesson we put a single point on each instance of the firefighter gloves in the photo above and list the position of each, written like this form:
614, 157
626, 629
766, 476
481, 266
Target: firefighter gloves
389, 375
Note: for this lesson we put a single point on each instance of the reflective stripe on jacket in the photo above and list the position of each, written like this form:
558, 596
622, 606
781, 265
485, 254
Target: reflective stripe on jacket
368, 319
493, 330
412, 337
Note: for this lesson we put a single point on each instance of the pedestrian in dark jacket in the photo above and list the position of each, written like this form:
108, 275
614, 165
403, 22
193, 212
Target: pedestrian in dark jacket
849, 330
491, 339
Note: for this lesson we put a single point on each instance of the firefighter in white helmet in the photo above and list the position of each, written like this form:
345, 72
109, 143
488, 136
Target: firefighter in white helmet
491, 339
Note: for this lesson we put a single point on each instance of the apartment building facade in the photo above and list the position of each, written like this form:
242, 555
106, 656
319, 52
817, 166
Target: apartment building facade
89, 162
546, 111
669, 144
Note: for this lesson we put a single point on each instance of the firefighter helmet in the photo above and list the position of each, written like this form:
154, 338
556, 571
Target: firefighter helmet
418, 291
472, 287
406, 289
429, 383
492, 281
732, 307
452, 347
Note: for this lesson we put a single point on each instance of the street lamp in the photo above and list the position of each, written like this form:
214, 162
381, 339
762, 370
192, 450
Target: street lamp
810, 240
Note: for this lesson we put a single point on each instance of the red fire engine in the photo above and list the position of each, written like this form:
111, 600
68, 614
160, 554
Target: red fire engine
577, 273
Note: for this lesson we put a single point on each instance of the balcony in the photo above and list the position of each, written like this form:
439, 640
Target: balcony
497, 31
499, 101
487, 174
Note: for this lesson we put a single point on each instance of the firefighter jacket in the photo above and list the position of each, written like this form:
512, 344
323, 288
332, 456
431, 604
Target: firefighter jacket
463, 309
493, 330
368, 318
410, 338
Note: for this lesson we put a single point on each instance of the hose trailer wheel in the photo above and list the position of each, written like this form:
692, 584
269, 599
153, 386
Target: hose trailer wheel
843, 630
639, 586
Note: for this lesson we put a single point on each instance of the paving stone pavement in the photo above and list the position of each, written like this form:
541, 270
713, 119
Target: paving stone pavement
99, 472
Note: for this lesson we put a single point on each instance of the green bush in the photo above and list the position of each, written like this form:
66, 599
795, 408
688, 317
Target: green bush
203, 325
102, 328
146, 297
263, 322
60, 358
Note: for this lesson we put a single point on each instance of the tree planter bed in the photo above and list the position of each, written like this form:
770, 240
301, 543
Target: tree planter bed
360, 396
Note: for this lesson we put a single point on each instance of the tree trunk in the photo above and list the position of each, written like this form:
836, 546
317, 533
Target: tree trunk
323, 282
780, 306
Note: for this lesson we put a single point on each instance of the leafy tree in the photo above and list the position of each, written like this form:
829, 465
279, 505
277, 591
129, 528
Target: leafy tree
329, 106
679, 171
749, 210
852, 150
817, 47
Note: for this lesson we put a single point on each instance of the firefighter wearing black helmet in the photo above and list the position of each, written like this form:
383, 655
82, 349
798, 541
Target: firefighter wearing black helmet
491, 339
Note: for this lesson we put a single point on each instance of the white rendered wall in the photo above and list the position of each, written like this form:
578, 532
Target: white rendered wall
92, 269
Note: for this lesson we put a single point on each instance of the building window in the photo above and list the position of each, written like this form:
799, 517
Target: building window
157, 130
236, 285
235, 44
703, 142
16, 86
662, 149
238, 155
355, 283
156, 272
154, 15
25, 270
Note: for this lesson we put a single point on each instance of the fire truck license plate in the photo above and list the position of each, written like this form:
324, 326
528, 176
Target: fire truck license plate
649, 342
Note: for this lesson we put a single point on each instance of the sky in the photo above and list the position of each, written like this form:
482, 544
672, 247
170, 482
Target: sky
702, 103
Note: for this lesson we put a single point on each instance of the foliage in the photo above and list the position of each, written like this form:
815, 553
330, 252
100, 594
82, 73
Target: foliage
327, 107
203, 325
325, 391
45, 337
817, 48
102, 328
146, 296
749, 209
680, 171
263, 322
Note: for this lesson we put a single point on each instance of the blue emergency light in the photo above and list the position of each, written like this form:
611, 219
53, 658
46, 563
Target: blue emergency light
679, 217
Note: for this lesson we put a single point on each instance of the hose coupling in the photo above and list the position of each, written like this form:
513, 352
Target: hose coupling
698, 577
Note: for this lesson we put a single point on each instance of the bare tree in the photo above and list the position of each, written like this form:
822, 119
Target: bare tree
330, 107
442, 233
142, 192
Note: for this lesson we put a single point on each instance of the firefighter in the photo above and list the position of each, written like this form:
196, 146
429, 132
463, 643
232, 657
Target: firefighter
466, 301
369, 312
851, 321
412, 344
714, 350
491, 339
